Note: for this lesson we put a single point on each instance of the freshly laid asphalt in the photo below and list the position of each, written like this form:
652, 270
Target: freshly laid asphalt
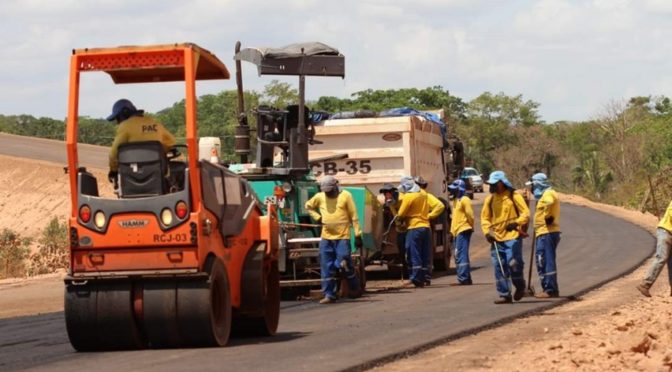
354, 334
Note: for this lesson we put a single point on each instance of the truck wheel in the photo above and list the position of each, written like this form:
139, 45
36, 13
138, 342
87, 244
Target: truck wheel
362, 269
360, 273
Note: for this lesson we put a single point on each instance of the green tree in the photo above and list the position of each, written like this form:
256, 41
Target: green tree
488, 123
593, 175
13, 252
216, 118
279, 94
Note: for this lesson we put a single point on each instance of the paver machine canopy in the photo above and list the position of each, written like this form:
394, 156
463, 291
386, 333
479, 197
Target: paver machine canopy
282, 172
177, 266
293, 137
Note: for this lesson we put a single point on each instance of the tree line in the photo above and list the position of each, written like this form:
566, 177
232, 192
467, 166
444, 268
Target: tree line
621, 156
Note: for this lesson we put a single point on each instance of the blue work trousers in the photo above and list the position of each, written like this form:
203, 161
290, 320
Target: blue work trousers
663, 256
545, 247
510, 260
332, 252
461, 242
418, 243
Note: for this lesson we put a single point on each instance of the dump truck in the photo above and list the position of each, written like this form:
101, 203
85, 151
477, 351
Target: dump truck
186, 252
281, 175
383, 149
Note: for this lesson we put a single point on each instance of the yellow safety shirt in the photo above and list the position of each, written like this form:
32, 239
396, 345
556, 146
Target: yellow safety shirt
499, 211
138, 129
463, 215
666, 221
414, 209
336, 214
436, 207
547, 206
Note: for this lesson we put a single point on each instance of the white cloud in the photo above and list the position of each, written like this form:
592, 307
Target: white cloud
663, 6
569, 55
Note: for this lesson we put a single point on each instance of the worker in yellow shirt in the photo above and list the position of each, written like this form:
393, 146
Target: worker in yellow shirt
663, 254
414, 211
546, 234
504, 213
134, 127
461, 228
436, 208
335, 209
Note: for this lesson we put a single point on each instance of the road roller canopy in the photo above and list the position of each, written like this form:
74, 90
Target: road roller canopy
150, 64
309, 59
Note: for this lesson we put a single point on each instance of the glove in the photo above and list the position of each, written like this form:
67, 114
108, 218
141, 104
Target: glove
489, 238
549, 220
112, 176
358, 242
512, 226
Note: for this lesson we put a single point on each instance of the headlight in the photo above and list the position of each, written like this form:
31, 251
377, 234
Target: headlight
99, 219
166, 216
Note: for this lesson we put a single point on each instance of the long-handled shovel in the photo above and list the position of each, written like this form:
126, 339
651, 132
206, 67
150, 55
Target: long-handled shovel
509, 280
529, 291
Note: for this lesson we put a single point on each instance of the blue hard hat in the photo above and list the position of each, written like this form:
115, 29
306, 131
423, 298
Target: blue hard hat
119, 107
497, 176
538, 179
458, 185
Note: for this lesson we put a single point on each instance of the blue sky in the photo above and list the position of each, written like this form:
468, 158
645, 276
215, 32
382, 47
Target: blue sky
573, 57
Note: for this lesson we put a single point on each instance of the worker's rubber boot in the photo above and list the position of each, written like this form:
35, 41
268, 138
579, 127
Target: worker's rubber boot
504, 300
643, 288
519, 293
327, 300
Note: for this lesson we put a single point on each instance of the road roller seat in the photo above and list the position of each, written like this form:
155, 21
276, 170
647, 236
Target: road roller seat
142, 169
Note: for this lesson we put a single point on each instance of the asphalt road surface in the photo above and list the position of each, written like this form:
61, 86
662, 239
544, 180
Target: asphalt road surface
357, 333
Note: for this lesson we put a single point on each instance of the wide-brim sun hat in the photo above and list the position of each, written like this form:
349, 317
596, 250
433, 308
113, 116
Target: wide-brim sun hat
498, 176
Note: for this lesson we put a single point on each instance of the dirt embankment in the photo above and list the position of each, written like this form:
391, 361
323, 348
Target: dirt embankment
33, 192
613, 328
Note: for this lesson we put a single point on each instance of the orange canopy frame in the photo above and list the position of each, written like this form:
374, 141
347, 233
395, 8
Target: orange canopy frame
144, 64
150, 64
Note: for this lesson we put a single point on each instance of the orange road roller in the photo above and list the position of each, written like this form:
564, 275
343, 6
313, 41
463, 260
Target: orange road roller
182, 256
